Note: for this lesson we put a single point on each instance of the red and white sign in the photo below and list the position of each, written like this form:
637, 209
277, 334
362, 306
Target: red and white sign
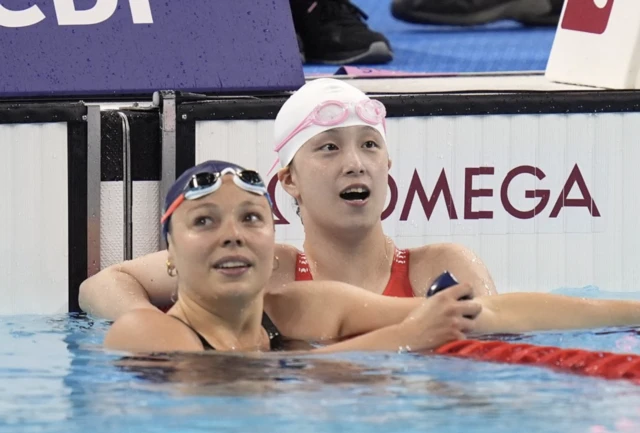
597, 43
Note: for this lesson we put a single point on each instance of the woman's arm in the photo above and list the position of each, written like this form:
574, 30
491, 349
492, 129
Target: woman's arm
522, 312
433, 323
144, 283
336, 310
309, 310
317, 311
511, 312
139, 283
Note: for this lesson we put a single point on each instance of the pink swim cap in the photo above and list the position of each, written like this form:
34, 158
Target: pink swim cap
302, 103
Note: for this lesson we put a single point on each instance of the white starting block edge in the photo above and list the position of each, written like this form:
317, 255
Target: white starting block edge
610, 59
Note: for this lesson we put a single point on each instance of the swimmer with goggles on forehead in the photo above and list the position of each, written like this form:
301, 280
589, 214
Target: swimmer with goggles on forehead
204, 183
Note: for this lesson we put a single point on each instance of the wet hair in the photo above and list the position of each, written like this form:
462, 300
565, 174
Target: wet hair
297, 206
295, 201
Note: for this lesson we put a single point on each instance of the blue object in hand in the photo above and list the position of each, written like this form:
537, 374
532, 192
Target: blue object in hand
445, 280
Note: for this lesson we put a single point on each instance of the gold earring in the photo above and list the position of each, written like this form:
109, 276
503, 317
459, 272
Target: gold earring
171, 270
276, 263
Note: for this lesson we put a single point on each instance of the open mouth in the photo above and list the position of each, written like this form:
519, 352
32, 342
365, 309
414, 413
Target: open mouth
232, 264
355, 193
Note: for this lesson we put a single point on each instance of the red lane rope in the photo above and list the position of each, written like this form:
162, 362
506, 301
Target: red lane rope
606, 365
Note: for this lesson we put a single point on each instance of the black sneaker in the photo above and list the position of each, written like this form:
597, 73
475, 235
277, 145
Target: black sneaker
334, 32
548, 19
467, 12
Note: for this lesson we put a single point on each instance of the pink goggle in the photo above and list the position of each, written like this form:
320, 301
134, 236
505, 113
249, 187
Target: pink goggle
333, 112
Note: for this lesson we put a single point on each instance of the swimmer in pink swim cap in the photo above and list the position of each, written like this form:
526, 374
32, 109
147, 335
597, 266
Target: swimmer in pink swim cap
330, 139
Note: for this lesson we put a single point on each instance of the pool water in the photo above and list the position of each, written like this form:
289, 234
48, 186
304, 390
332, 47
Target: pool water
55, 377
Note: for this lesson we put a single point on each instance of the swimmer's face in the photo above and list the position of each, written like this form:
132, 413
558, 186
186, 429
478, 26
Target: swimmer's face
223, 244
340, 177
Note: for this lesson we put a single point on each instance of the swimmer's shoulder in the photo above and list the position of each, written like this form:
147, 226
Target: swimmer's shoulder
285, 266
149, 330
287, 252
434, 252
427, 262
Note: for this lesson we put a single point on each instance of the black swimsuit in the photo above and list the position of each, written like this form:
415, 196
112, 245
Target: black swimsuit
275, 339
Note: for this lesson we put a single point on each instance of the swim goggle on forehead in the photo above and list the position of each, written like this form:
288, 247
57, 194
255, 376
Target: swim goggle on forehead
205, 183
333, 112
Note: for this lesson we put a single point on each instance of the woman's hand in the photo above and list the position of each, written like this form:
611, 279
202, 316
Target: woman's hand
440, 319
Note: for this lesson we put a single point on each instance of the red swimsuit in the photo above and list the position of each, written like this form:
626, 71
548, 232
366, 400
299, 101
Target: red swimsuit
399, 284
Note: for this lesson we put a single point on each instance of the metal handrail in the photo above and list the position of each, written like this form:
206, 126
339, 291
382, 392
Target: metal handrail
127, 188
